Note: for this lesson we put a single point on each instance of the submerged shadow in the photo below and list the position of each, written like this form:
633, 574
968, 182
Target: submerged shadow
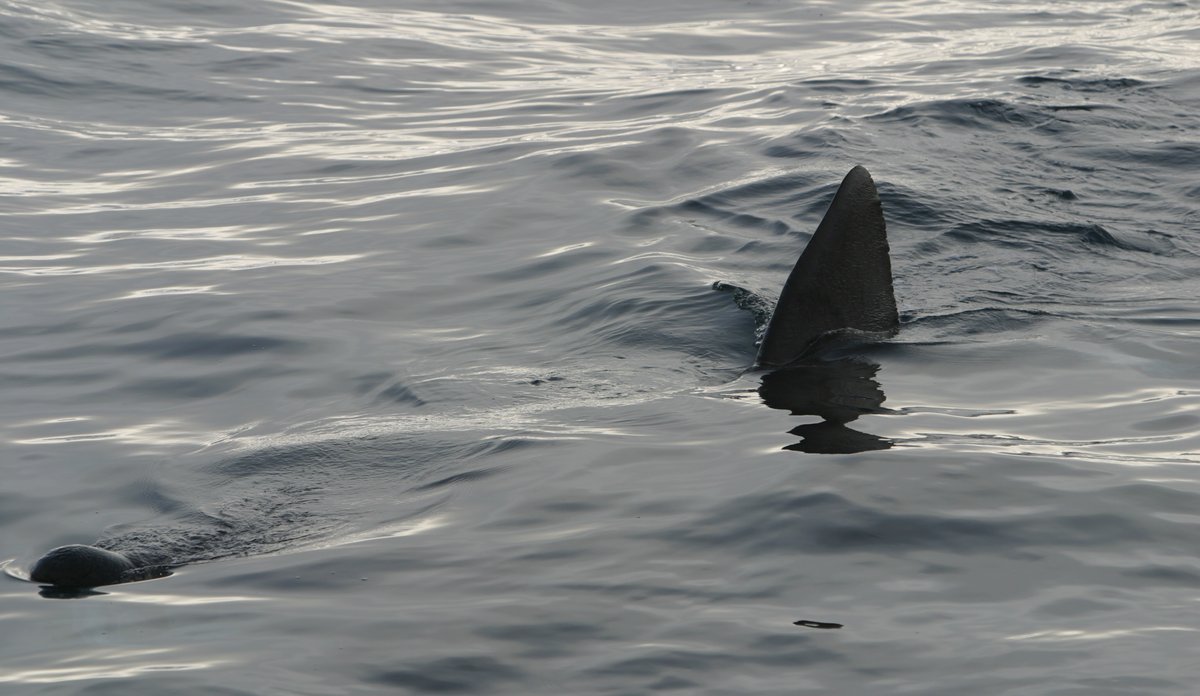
52, 592
838, 392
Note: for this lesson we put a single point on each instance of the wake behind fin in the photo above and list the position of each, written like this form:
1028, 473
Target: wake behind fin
842, 283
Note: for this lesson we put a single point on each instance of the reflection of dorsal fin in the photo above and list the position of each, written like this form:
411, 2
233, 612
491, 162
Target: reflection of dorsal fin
842, 282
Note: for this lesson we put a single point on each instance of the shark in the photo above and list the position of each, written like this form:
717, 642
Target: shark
840, 291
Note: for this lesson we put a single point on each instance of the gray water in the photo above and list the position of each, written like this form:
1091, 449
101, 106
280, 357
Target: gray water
409, 332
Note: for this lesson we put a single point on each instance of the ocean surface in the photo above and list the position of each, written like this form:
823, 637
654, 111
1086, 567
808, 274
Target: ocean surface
421, 334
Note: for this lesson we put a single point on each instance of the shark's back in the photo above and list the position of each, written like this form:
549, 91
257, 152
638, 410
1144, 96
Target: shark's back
842, 283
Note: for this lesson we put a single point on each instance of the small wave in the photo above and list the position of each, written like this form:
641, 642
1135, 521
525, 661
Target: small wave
1082, 84
828, 523
973, 115
1027, 234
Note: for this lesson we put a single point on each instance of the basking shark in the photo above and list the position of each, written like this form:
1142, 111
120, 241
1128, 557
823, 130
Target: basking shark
839, 290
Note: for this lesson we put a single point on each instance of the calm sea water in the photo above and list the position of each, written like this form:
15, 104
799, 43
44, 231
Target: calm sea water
406, 326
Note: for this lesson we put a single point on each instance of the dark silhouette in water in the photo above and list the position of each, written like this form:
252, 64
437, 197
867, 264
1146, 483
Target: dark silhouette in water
840, 288
838, 391
81, 566
839, 291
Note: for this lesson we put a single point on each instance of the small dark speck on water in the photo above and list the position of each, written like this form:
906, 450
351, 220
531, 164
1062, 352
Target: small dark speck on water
816, 624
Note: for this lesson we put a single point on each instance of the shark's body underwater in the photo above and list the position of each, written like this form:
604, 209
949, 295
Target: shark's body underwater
841, 287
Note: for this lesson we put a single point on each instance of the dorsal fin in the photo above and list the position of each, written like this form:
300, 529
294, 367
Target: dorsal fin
841, 283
